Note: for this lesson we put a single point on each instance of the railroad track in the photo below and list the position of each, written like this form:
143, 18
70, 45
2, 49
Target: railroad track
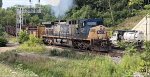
113, 53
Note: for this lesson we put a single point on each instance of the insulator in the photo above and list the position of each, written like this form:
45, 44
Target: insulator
39, 1
29, 0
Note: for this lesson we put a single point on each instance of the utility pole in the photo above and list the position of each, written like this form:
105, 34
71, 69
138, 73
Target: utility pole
146, 27
147, 24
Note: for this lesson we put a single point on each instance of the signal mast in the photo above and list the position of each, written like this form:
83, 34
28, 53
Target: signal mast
25, 9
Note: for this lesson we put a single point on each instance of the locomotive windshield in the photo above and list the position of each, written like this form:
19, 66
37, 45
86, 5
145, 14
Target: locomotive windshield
91, 23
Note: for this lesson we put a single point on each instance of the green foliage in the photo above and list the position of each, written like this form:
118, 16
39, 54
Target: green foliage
69, 66
1, 3
147, 7
146, 58
131, 49
84, 12
1, 30
3, 42
32, 45
135, 3
113, 12
130, 64
8, 56
47, 13
68, 54
7, 17
23, 37
35, 20
122, 44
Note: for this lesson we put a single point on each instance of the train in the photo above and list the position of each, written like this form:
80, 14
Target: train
83, 34
128, 36
37, 31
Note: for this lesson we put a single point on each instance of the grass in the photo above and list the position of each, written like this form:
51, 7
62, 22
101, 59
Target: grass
7, 71
36, 48
130, 22
66, 64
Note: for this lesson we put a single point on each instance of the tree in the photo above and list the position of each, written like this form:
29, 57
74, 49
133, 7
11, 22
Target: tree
135, 3
7, 17
35, 20
1, 3
47, 14
1, 30
23, 37
111, 11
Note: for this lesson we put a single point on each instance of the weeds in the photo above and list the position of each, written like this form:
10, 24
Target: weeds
69, 54
3, 42
79, 65
32, 45
85, 65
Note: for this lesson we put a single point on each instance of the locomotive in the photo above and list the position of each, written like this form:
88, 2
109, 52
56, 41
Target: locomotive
84, 34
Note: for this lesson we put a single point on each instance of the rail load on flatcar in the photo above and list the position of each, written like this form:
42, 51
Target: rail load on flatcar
85, 34
128, 36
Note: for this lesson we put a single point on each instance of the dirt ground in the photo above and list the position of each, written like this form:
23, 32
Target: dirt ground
9, 46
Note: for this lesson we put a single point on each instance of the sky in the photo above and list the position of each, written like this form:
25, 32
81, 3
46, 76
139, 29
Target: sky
8, 3
58, 6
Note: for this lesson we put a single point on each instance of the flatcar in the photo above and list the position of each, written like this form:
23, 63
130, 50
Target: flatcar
85, 34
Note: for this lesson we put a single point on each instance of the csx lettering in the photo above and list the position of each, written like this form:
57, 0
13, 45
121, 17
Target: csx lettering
100, 32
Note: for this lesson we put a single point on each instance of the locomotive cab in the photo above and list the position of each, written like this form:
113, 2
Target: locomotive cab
85, 25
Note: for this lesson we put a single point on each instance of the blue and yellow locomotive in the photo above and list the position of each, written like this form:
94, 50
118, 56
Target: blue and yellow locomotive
85, 34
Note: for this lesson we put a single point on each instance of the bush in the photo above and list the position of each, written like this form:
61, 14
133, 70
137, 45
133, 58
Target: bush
131, 49
32, 45
97, 66
130, 64
1, 30
23, 37
3, 42
71, 54
122, 44
147, 7
145, 56
8, 56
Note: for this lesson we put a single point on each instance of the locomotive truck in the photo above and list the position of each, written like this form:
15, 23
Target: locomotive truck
85, 34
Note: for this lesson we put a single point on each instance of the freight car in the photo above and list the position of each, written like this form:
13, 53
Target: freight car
37, 31
128, 36
10, 30
85, 34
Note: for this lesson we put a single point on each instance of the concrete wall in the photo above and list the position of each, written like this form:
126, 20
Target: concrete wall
144, 25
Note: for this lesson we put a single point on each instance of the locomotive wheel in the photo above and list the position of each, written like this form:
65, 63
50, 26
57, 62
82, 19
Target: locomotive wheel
50, 42
75, 44
82, 45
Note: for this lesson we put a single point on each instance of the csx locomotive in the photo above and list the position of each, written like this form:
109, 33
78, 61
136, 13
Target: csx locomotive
85, 34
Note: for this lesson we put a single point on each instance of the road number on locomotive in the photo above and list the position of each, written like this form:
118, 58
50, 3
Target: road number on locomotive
101, 31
